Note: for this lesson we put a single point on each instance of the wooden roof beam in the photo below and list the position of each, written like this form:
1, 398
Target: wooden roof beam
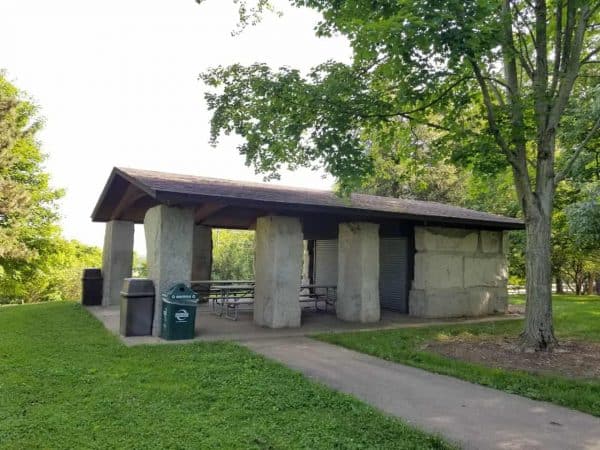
132, 194
208, 209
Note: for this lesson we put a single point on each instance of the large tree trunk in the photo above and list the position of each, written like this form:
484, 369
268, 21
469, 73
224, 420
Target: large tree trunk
539, 330
590, 284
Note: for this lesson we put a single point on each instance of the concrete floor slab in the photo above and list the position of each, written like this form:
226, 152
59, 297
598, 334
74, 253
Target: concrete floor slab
471, 415
210, 327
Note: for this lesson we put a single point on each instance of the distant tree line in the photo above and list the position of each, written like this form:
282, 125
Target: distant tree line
233, 255
36, 263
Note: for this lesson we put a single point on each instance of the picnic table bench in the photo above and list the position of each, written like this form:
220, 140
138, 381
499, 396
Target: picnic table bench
315, 293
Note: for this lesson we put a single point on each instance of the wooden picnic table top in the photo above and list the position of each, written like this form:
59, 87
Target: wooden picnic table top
232, 287
220, 286
313, 286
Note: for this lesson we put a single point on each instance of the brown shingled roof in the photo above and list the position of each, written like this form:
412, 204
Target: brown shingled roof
174, 189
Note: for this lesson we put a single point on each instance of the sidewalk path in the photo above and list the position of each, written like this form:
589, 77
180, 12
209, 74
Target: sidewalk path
473, 416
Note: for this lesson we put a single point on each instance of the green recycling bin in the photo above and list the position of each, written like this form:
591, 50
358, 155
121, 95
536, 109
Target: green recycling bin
178, 312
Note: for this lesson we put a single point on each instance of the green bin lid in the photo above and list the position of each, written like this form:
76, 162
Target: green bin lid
180, 292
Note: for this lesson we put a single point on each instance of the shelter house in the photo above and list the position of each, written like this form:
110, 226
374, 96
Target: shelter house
420, 258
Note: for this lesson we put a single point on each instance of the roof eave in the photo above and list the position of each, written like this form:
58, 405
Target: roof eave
117, 172
175, 198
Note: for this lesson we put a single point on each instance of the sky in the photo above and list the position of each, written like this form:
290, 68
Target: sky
117, 83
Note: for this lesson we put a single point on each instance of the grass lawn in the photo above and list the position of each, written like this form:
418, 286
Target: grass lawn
575, 317
65, 382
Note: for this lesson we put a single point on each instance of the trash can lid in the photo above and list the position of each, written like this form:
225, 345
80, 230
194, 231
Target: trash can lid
180, 293
137, 287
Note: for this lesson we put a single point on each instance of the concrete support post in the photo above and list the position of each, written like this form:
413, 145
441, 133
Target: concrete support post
278, 268
169, 236
305, 263
117, 259
459, 272
358, 272
202, 253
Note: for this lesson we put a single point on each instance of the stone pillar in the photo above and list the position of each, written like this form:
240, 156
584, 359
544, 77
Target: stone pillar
358, 272
169, 240
305, 263
202, 253
459, 272
278, 268
117, 259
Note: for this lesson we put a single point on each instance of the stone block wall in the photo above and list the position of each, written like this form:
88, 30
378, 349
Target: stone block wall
459, 272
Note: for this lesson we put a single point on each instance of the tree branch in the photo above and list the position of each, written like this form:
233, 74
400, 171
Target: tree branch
444, 93
525, 23
518, 156
588, 57
568, 34
557, 47
497, 92
540, 84
405, 115
572, 65
525, 58
409, 115
424, 122
563, 173
491, 114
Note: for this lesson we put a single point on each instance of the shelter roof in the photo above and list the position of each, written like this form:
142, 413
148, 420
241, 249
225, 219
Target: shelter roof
129, 193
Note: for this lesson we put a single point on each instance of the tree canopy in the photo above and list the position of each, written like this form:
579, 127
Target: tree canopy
27, 203
499, 81
36, 263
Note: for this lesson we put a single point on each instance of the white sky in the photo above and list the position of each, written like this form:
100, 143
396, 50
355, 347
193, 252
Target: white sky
117, 81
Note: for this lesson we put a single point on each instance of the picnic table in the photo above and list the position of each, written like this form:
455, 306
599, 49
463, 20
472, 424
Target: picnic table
228, 297
315, 293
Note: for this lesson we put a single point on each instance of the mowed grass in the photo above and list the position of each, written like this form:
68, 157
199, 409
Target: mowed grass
65, 382
575, 317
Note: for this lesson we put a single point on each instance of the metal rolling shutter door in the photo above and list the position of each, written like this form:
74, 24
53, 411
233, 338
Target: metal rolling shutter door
326, 261
393, 264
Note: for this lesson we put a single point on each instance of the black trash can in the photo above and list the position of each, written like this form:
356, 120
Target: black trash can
178, 312
91, 287
137, 307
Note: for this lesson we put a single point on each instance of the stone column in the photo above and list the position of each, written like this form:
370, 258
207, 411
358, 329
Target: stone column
358, 272
117, 259
169, 240
202, 253
459, 272
305, 263
278, 268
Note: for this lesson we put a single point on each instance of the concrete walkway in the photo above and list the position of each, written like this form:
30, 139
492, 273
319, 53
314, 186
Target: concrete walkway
473, 416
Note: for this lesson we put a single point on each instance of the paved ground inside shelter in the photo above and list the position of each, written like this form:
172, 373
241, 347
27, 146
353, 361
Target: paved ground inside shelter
471, 415
210, 327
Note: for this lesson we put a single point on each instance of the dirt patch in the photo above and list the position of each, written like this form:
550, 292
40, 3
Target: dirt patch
573, 359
